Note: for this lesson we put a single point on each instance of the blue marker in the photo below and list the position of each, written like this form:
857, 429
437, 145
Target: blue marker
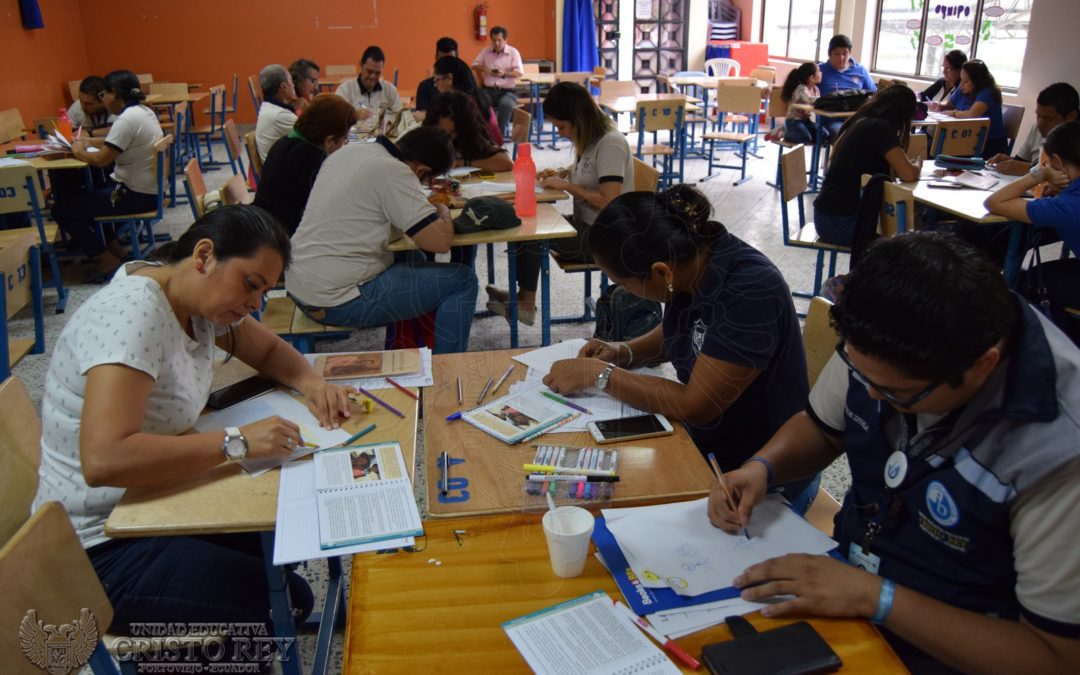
455, 416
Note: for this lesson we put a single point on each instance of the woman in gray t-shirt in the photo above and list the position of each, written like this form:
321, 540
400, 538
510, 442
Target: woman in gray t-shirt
603, 169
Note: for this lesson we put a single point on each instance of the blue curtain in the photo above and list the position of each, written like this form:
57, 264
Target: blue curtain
579, 37
31, 14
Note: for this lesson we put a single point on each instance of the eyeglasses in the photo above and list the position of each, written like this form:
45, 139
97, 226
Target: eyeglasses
886, 394
439, 78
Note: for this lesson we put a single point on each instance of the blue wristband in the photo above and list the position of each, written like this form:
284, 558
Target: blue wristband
768, 469
884, 601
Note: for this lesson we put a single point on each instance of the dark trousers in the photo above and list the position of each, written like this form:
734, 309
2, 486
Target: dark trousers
574, 249
190, 580
75, 214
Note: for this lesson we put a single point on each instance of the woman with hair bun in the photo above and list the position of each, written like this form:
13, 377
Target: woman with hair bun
729, 328
132, 186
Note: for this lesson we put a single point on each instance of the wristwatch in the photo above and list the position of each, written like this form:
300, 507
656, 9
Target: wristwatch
605, 375
235, 446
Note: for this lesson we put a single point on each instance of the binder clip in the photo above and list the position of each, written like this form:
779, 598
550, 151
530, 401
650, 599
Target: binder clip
451, 488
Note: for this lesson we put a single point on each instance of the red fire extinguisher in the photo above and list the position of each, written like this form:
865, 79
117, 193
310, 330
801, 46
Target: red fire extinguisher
480, 22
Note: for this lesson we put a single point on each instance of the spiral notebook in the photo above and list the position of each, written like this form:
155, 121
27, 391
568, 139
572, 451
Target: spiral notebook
586, 636
364, 495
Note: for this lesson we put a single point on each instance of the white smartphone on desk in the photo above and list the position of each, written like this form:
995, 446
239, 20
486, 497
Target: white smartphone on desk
630, 428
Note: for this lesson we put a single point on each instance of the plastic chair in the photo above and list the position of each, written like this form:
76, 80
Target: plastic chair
654, 117
140, 226
792, 187
18, 194
1013, 114
722, 68
960, 138
736, 100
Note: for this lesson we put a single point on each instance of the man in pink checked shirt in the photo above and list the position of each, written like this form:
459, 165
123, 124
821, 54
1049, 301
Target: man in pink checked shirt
501, 67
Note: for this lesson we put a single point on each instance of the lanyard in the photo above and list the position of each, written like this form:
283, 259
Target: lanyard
899, 467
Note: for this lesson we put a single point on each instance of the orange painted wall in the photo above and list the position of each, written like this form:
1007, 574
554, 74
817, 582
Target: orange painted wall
207, 40
38, 63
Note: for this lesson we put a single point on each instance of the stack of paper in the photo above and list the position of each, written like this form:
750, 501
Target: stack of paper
673, 565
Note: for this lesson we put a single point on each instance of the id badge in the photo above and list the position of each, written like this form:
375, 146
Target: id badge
863, 559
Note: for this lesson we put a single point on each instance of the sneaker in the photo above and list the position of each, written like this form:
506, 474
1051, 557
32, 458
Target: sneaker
525, 315
497, 294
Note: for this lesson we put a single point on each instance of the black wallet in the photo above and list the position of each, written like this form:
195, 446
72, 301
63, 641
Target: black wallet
795, 649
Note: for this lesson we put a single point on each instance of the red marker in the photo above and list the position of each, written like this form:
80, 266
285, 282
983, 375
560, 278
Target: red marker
661, 639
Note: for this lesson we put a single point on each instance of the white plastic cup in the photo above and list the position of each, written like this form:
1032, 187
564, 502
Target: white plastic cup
568, 530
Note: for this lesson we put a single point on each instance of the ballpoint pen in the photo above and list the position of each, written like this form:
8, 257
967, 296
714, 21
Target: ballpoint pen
446, 472
460, 400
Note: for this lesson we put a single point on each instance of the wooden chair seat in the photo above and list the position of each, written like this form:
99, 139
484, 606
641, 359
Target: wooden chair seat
203, 129
728, 136
282, 316
822, 511
657, 149
807, 236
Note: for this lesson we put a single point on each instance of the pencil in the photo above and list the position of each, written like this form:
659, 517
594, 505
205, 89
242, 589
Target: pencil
381, 402
724, 487
502, 379
403, 389
357, 435
485, 391
460, 400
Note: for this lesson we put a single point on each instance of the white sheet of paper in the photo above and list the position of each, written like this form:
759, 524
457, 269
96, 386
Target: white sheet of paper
677, 542
470, 190
543, 358
424, 378
8, 161
462, 171
296, 536
279, 403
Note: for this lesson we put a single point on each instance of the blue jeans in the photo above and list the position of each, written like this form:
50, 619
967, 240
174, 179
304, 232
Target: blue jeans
406, 290
799, 131
802, 501
835, 229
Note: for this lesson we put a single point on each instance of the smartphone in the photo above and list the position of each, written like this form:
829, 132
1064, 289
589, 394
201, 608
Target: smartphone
239, 391
945, 186
630, 428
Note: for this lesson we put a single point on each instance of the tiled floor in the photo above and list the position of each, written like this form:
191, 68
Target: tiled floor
750, 211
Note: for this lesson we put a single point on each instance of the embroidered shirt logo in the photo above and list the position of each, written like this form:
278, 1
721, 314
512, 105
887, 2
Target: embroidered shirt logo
58, 649
941, 505
699, 335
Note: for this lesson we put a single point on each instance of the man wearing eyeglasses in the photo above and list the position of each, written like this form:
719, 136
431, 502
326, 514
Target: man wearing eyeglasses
956, 405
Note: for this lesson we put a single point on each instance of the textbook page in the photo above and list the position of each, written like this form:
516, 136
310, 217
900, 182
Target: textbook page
586, 636
364, 495
296, 537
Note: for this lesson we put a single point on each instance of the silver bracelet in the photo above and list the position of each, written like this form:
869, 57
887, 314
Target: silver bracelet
631, 352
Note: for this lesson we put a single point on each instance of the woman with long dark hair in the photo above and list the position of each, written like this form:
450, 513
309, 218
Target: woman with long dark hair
453, 74
456, 114
978, 96
603, 169
132, 186
729, 328
871, 141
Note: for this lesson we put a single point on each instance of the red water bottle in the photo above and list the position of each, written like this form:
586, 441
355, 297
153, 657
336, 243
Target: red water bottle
524, 182
63, 125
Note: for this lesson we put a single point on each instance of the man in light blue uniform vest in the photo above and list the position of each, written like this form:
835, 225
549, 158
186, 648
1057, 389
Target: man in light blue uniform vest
957, 405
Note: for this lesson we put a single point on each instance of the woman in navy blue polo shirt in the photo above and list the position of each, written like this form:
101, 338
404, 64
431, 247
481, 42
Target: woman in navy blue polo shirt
978, 96
729, 328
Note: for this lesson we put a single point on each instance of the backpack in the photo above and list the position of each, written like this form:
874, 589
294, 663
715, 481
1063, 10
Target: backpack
843, 100
621, 315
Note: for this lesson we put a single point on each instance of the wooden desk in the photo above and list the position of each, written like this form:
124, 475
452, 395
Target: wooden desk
629, 104
546, 196
410, 616
20, 284
545, 225
225, 499
672, 471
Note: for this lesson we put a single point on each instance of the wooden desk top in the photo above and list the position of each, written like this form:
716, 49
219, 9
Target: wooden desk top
493, 468
546, 196
628, 104
824, 113
169, 99
546, 224
713, 82
552, 78
414, 617
225, 499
